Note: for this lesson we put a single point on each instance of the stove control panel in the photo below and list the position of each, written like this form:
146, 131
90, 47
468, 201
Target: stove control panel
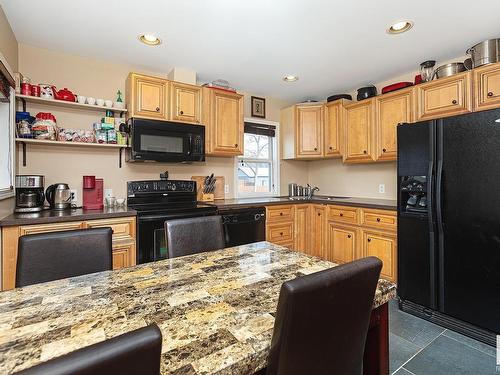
160, 186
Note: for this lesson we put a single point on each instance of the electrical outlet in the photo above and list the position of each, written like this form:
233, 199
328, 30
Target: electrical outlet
226, 189
381, 188
74, 195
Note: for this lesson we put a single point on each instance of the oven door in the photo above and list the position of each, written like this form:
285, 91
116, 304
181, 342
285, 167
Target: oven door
165, 141
151, 242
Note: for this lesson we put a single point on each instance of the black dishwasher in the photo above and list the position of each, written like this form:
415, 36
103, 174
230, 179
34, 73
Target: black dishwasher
244, 225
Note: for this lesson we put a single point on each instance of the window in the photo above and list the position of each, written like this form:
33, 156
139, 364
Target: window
257, 169
7, 97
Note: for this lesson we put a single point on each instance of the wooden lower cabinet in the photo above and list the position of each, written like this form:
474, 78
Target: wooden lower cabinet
383, 246
342, 245
124, 255
302, 228
318, 230
336, 233
124, 240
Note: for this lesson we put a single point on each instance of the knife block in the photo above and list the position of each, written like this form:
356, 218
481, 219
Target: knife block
219, 188
207, 197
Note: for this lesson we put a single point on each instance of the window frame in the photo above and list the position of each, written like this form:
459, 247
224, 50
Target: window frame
275, 163
6, 193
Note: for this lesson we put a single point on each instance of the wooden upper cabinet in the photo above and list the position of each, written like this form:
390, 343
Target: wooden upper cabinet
358, 132
224, 122
309, 129
334, 114
444, 97
487, 87
391, 109
342, 243
147, 96
185, 103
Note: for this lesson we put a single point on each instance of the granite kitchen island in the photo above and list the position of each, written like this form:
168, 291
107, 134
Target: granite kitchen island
215, 310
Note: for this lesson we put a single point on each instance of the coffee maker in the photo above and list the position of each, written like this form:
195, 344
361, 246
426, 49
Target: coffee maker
93, 193
29, 193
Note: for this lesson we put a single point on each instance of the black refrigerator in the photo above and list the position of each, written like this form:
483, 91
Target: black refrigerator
449, 222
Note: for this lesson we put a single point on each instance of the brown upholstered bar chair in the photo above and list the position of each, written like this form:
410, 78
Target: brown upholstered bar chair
194, 235
322, 321
134, 353
56, 255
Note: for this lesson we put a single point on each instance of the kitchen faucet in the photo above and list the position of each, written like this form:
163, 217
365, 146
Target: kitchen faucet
311, 191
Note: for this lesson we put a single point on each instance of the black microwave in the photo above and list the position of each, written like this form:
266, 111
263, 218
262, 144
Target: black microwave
165, 141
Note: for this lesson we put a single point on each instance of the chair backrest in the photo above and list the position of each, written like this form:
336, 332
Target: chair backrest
56, 255
134, 353
194, 235
322, 321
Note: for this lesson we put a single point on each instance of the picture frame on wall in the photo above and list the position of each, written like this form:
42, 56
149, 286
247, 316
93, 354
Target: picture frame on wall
258, 107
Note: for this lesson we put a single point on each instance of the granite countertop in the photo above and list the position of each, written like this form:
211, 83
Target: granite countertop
385, 204
215, 310
58, 216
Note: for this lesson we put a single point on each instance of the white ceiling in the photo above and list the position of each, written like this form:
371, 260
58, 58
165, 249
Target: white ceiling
333, 46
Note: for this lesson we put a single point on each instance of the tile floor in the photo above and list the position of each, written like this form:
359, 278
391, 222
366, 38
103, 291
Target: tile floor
420, 347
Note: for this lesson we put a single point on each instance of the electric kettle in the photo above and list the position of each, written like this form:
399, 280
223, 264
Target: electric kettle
58, 196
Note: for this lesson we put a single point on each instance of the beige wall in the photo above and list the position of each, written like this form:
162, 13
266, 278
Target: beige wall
101, 79
8, 48
8, 42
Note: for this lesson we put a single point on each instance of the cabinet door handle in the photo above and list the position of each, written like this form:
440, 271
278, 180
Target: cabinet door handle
157, 109
235, 145
454, 101
331, 148
378, 219
369, 240
384, 150
490, 94
281, 213
315, 149
319, 214
364, 151
281, 233
341, 214
181, 112
348, 236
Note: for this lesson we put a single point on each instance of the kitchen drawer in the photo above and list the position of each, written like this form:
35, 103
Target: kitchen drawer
280, 213
53, 227
380, 219
343, 214
123, 227
279, 233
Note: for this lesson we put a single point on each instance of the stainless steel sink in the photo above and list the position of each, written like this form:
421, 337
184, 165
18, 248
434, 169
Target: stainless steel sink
328, 198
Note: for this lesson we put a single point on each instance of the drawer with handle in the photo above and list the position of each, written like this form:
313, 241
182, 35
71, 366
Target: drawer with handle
280, 233
381, 219
343, 214
122, 227
280, 213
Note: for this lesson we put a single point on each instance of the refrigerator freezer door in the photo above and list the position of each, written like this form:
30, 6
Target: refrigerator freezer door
416, 241
468, 150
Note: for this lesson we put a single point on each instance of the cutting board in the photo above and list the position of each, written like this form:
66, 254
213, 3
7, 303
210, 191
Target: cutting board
219, 186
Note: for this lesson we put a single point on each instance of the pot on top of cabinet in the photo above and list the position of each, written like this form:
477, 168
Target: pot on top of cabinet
366, 92
486, 52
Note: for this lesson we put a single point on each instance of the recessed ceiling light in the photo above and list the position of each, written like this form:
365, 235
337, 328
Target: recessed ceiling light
290, 78
400, 27
149, 39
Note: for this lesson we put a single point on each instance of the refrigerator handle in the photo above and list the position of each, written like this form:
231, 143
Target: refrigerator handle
439, 212
432, 249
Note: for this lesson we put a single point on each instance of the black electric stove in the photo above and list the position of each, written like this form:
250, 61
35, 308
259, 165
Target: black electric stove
157, 201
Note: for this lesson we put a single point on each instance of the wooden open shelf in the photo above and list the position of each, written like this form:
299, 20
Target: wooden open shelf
63, 103
25, 141
71, 144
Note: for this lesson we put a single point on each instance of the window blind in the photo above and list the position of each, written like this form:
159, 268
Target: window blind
260, 129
